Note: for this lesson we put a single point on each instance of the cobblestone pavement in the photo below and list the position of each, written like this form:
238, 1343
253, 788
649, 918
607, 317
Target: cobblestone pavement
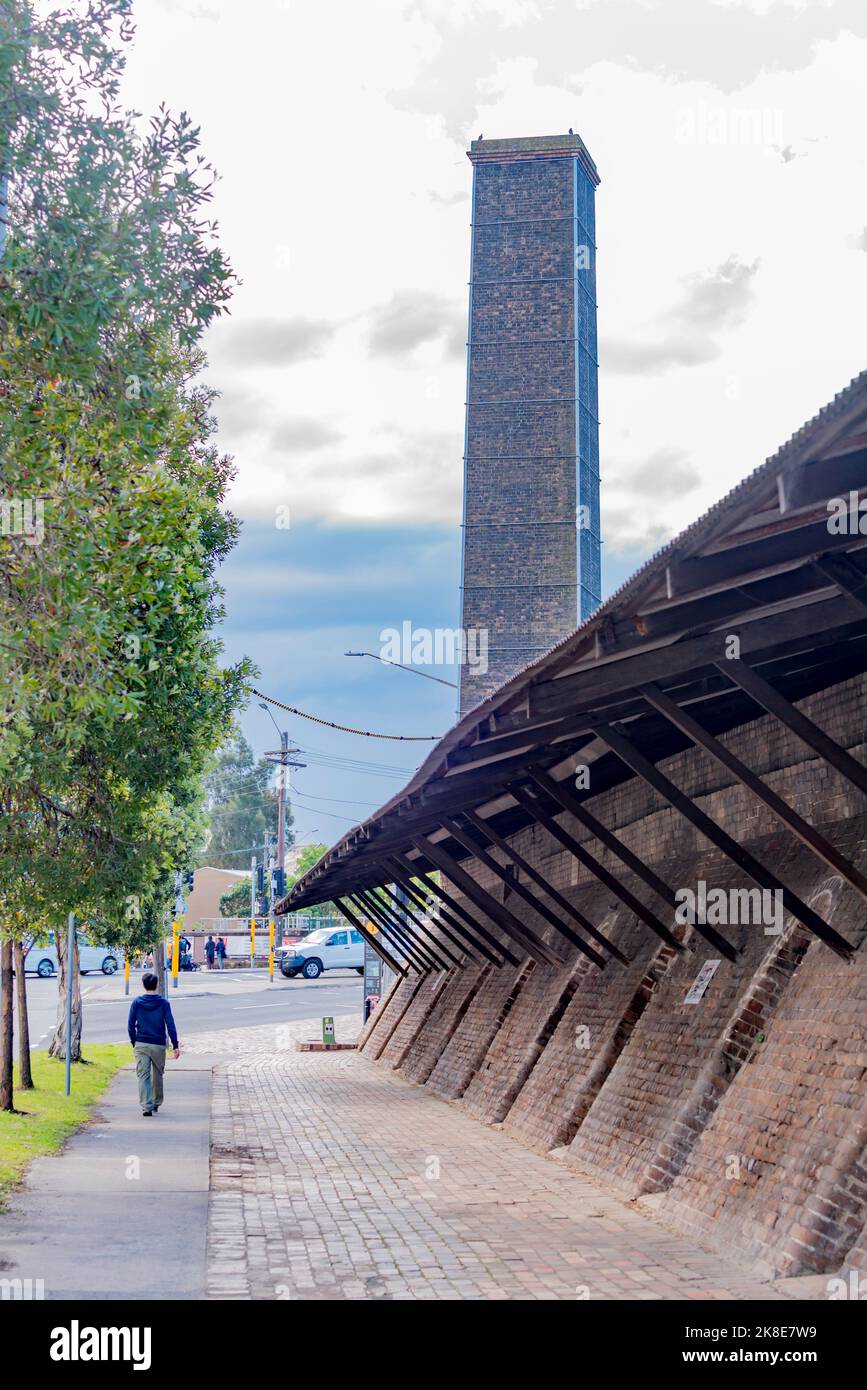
333, 1178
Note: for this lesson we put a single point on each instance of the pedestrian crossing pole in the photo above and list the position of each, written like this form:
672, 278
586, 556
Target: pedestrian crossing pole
180, 909
271, 920
253, 913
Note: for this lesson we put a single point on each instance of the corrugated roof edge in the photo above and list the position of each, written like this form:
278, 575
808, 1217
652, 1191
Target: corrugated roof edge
563, 649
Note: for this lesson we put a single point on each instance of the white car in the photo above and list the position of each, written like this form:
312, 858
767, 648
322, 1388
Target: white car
42, 960
324, 949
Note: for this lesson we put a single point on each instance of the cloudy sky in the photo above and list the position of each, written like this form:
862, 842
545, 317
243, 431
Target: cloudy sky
732, 233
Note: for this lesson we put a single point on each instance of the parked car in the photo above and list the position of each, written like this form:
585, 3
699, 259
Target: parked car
42, 960
324, 949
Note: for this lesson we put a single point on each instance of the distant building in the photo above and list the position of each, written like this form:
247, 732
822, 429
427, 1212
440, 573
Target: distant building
531, 544
209, 885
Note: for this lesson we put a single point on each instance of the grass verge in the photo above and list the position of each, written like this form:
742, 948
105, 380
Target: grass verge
49, 1116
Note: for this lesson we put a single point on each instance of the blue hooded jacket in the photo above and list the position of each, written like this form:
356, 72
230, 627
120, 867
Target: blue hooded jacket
149, 1017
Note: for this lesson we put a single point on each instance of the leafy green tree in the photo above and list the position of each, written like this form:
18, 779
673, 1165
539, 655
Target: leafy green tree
112, 698
241, 801
309, 856
235, 902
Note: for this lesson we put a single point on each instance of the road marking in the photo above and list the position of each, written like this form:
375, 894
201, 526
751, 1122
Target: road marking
243, 1008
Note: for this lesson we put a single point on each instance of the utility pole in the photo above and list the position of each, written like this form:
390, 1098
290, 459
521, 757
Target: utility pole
281, 806
282, 758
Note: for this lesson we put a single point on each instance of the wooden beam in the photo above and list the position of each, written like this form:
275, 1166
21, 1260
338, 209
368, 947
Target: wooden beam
770, 699
693, 614
401, 930
780, 808
415, 958
841, 570
463, 941
478, 849
419, 924
534, 808
750, 555
485, 828
766, 637
697, 685
625, 749
566, 798
821, 479
357, 925
414, 871
532, 735
523, 936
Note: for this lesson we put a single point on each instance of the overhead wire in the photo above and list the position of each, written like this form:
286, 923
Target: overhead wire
345, 728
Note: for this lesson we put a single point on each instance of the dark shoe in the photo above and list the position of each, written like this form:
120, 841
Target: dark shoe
155, 1109
146, 1113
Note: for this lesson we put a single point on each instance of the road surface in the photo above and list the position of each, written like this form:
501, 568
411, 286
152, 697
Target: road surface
203, 1001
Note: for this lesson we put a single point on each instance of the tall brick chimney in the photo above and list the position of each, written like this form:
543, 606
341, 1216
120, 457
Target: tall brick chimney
531, 558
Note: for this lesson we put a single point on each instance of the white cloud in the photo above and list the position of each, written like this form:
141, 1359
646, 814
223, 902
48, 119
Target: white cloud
343, 168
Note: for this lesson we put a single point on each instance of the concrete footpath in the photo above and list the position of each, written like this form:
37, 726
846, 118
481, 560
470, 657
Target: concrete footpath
122, 1212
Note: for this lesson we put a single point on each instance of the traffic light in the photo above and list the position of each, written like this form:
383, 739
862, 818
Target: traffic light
278, 882
260, 879
188, 879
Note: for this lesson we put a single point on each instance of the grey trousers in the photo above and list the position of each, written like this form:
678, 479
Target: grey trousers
150, 1063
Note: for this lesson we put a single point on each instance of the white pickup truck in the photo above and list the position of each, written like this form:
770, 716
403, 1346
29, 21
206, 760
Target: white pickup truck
327, 948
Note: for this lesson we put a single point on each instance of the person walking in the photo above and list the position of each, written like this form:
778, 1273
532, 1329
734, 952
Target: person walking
221, 952
150, 1018
210, 951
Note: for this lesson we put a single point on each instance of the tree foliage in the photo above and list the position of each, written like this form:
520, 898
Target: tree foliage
235, 902
241, 803
112, 696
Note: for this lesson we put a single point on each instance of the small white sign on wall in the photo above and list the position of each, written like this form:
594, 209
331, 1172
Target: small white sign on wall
701, 981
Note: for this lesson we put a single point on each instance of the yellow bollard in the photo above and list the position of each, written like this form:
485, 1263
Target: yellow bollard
126, 975
176, 952
252, 942
271, 952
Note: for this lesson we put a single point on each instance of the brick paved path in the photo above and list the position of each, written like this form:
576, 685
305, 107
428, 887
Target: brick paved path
331, 1177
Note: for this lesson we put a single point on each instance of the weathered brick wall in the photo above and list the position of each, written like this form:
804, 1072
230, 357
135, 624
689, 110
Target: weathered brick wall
414, 1016
779, 1171
664, 1086
466, 1048
520, 1040
592, 1033
390, 1013
769, 1067
427, 1047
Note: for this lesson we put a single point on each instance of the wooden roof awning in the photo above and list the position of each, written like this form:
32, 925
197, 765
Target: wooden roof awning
760, 603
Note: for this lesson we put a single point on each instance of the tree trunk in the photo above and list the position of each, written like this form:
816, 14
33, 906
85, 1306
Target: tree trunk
6, 1026
25, 1075
58, 1042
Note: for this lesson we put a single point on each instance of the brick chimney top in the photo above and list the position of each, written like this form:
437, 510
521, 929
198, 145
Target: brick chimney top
533, 147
